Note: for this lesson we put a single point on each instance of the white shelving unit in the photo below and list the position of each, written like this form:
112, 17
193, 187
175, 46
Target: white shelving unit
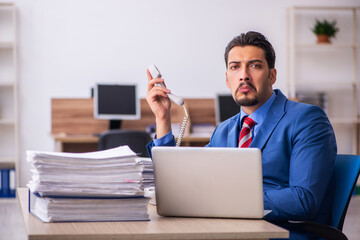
330, 69
8, 88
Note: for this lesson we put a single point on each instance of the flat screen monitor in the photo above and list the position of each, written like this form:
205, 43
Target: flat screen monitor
116, 102
226, 107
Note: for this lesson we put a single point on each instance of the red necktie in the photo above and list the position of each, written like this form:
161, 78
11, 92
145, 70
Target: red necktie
245, 133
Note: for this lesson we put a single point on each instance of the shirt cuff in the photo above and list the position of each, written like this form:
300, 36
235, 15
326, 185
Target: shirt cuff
163, 140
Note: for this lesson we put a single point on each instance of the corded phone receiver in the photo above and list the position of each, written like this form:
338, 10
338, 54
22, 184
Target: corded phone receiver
155, 73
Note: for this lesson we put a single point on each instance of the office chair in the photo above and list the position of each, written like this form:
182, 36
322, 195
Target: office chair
346, 173
136, 140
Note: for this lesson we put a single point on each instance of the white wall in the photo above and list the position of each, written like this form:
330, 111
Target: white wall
66, 46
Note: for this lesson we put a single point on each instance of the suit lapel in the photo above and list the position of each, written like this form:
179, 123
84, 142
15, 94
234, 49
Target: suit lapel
276, 113
233, 133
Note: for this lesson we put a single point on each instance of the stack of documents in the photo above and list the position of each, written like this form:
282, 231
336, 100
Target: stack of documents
96, 186
202, 130
59, 209
148, 172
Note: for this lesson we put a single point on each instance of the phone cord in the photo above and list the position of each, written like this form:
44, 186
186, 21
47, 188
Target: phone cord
182, 128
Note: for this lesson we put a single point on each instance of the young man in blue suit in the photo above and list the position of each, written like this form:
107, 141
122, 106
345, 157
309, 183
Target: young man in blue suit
297, 141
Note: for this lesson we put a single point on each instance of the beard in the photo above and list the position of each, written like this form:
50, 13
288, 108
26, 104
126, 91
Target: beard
246, 100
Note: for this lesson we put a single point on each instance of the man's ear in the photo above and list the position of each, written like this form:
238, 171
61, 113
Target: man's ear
273, 73
227, 82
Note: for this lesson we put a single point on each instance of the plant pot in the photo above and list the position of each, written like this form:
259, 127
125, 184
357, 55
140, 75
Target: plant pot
322, 38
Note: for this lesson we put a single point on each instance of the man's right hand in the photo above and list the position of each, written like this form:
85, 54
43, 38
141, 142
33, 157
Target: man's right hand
159, 104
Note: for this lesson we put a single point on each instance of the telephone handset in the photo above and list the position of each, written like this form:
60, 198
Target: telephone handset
155, 73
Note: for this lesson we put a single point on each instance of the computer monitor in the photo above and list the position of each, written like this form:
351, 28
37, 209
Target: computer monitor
225, 107
116, 102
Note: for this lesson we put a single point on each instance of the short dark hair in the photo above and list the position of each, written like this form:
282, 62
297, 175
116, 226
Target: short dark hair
252, 38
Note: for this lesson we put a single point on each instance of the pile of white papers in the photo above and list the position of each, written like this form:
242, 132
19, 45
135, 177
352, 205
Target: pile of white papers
202, 130
97, 186
113, 172
96, 209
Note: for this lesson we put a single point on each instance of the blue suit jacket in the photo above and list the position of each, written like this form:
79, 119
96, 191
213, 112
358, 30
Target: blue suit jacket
298, 153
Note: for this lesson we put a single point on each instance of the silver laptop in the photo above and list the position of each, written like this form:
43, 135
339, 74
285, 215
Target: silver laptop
208, 182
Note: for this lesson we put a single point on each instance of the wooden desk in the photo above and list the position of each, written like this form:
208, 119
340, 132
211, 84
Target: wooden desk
158, 228
75, 143
88, 143
73, 125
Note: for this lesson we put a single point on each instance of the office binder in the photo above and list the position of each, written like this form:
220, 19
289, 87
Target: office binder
5, 183
1, 194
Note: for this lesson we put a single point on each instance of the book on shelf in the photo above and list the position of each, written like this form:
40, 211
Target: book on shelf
97, 186
314, 98
202, 130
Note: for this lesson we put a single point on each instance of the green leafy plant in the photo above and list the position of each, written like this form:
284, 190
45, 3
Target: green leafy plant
325, 28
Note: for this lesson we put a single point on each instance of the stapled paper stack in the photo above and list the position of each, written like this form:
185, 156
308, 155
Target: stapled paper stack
96, 186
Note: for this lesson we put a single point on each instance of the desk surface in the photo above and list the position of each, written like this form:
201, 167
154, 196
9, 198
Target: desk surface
158, 228
84, 138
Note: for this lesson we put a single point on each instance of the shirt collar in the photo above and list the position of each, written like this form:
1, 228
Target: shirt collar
259, 114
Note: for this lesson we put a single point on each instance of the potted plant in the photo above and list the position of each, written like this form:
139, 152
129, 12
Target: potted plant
325, 30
